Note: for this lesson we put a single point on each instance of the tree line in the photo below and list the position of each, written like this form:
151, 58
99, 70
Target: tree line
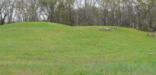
139, 14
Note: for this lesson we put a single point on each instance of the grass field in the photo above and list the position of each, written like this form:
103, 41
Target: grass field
55, 49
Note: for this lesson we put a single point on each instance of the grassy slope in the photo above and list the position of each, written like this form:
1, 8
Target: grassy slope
53, 49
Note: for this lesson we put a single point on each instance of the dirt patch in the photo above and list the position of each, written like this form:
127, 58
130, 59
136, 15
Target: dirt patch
108, 29
153, 34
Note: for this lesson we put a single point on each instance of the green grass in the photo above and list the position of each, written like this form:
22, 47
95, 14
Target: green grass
55, 49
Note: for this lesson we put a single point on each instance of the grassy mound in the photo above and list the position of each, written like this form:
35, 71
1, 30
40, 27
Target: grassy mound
54, 49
